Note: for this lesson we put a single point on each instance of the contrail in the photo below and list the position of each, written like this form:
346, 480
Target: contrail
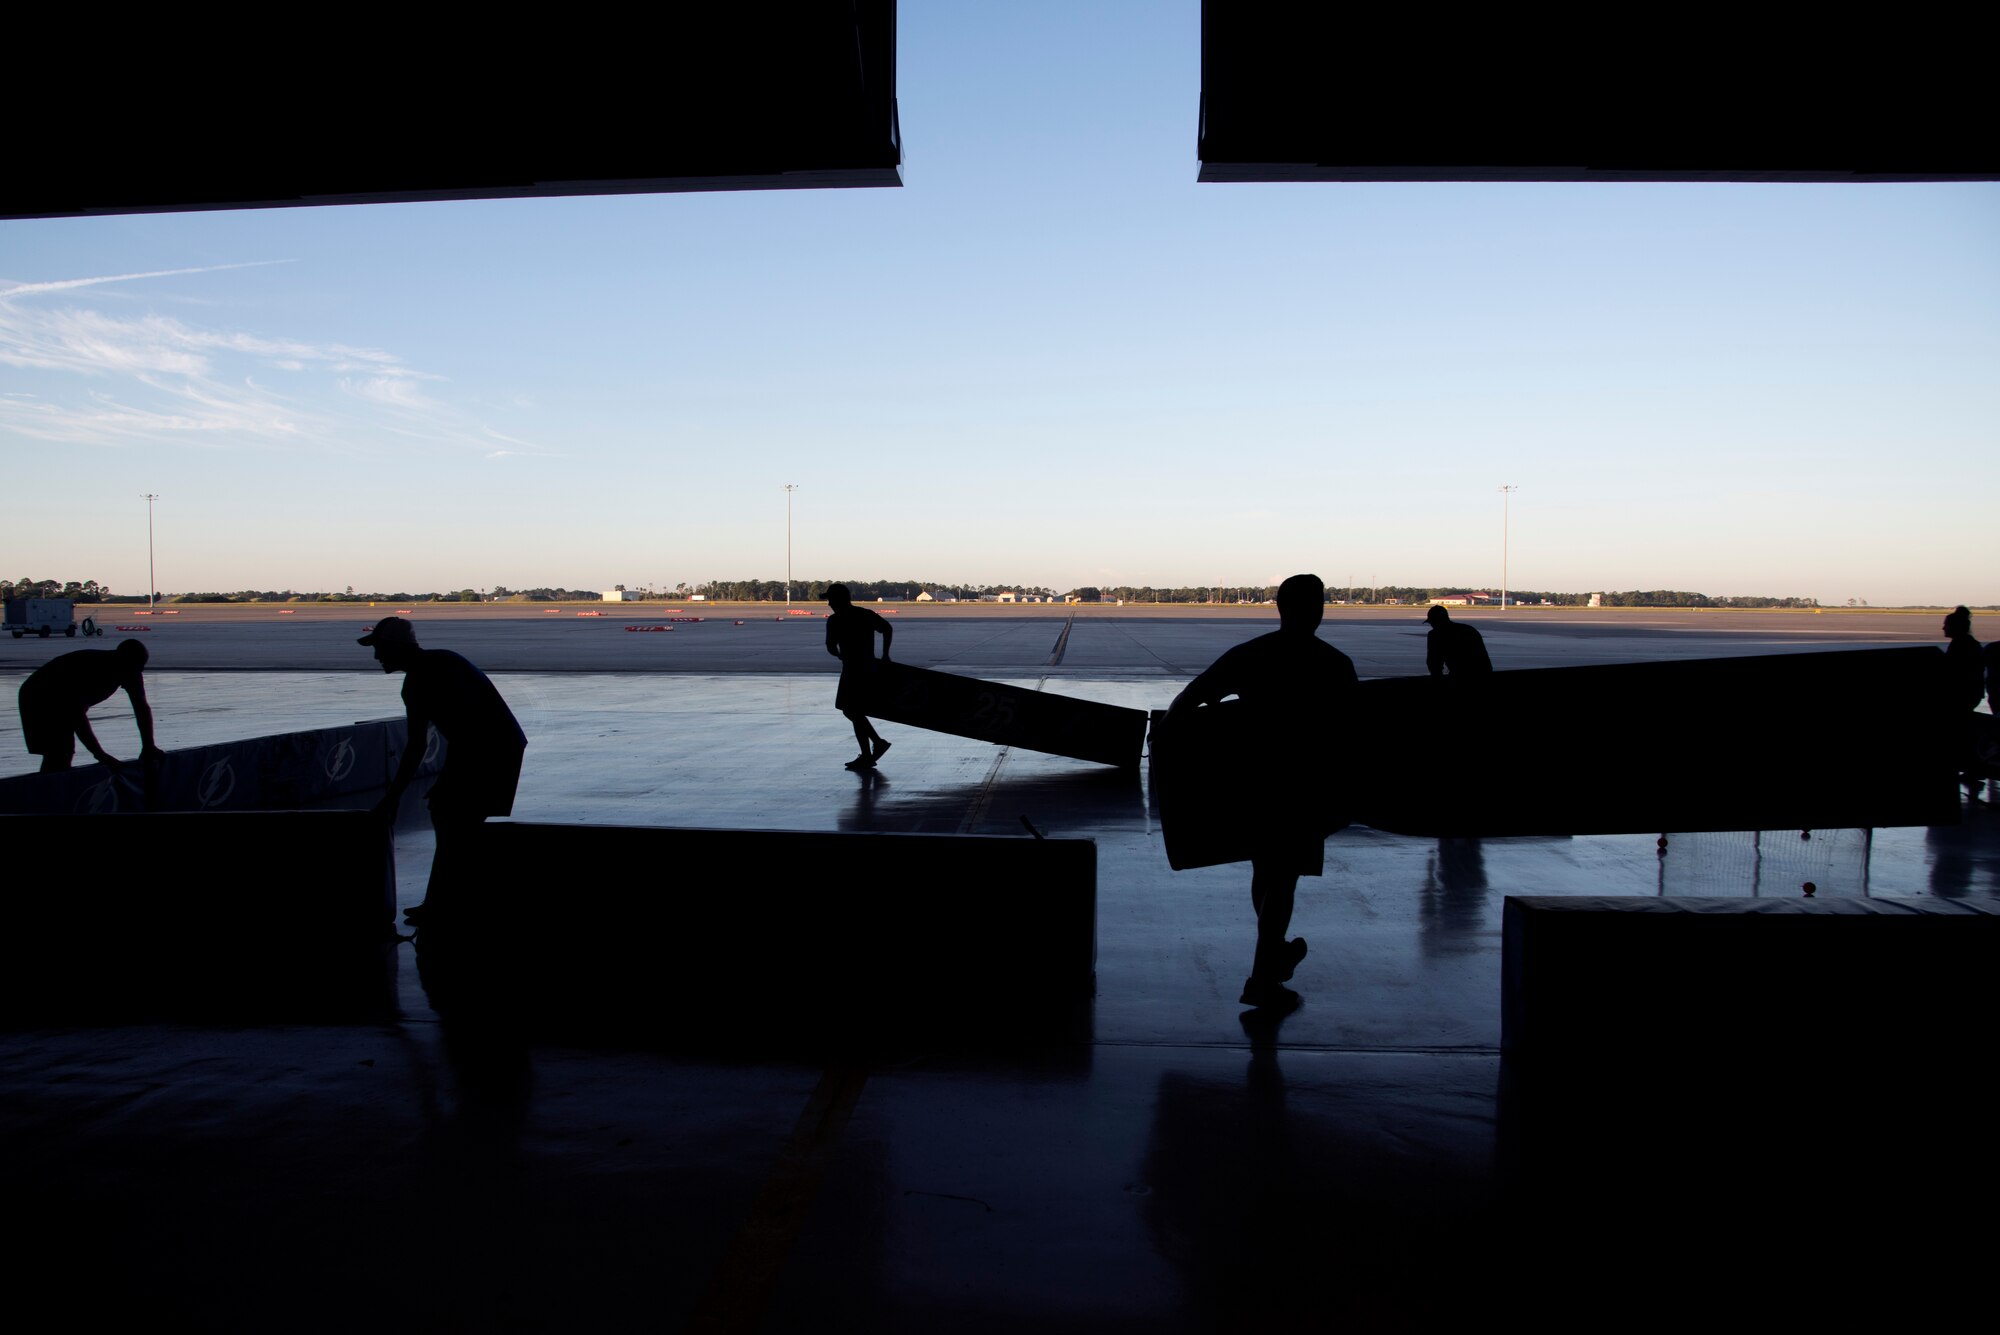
62, 283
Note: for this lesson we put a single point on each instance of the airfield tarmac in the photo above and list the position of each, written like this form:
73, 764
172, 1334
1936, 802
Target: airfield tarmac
561, 667
1151, 639
323, 1177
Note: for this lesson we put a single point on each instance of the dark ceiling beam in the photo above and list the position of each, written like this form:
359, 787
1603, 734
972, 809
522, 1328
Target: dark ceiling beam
295, 109
1355, 93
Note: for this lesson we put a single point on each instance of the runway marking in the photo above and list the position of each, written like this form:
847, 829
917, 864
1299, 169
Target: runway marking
741, 1288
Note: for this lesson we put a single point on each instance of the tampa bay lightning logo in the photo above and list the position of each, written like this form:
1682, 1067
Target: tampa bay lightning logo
339, 761
100, 799
217, 782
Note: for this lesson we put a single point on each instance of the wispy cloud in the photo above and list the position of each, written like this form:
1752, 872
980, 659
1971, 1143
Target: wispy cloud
110, 378
527, 449
65, 284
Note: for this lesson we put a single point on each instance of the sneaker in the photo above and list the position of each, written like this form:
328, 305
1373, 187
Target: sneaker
1268, 995
861, 762
415, 913
1295, 950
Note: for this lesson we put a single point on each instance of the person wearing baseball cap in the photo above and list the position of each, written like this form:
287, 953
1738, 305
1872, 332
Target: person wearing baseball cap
483, 744
1453, 648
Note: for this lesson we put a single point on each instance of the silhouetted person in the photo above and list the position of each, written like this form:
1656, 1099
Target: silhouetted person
850, 637
1986, 731
1454, 648
1964, 660
1296, 686
1965, 680
57, 697
483, 744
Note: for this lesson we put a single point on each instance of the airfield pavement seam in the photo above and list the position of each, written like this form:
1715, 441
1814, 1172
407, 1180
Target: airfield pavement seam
975, 811
1062, 642
740, 1290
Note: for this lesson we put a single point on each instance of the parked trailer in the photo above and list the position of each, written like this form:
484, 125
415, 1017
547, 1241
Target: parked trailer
41, 616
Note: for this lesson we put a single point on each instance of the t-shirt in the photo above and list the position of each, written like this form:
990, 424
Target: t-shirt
853, 630
461, 703
71, 683
1285, 675
1459, 650
1964, 670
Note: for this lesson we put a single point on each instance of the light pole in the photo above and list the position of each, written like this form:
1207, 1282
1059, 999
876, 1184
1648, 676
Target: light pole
1506, 495
790, 487
152, 580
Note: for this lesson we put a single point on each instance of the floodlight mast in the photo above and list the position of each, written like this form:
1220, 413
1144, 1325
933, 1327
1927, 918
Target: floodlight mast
152, 580
1506, 495
790, 487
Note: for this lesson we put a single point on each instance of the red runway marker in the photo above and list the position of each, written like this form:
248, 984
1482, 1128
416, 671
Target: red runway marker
649, 629
131, 628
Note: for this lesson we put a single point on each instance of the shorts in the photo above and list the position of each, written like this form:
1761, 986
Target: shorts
857, 687
48, 731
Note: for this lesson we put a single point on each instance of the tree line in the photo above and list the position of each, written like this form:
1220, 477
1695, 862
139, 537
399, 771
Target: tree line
898, 590
82, 591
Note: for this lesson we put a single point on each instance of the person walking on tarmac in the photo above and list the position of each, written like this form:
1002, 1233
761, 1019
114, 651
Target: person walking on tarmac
57, 697
483, 746
1298, 686
850, 637
1454, 648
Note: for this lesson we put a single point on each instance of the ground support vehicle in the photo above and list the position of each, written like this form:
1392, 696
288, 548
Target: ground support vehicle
41, 616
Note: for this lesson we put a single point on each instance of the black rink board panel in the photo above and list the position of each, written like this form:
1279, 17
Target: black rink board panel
1816, 741
1008, 715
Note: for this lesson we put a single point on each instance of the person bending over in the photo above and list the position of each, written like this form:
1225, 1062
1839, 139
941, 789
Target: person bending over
1454, 648
483, 745
57, 697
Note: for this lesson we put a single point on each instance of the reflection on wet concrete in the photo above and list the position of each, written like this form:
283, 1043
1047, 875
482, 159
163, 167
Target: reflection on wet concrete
1454, 896
1965, 858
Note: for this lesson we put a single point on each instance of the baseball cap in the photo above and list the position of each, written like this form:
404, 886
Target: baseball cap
390, 630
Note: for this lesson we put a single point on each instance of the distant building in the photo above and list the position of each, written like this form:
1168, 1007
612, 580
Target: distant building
1005, 596
620, 596
1596, 600
924, 596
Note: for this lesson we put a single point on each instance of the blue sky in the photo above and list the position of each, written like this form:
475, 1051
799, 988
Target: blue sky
1049, 357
